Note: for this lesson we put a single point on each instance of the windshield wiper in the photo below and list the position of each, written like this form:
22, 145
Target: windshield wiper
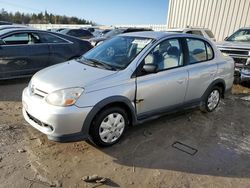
86, 62
98, 62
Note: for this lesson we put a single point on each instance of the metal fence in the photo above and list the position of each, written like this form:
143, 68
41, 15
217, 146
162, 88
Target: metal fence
57, 26
52, 26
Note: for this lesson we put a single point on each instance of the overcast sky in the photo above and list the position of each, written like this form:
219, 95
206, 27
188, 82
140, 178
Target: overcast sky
107, 12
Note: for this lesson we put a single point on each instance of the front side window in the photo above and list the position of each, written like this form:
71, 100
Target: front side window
199, 51
242, 35
117, 52
22, 38
166, 55
19, 38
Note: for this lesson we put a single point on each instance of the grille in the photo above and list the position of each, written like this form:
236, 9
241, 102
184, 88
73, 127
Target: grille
240, 60
37, 121
37, 92
238, 52
34, 119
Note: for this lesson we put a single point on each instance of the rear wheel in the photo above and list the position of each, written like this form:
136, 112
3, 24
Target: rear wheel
212, 100
108, 126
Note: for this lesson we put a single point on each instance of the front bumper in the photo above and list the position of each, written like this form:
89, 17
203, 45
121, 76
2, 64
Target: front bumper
58, 123
245, 74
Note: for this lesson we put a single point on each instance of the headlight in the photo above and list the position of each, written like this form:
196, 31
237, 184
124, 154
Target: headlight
225, 54
64, 97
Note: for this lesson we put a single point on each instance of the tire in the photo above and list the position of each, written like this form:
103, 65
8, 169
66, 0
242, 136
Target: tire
109, 126
212, 99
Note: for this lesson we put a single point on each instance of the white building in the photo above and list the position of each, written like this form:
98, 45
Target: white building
223, 17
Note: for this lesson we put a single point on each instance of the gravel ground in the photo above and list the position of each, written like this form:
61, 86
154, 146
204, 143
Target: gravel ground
145, 157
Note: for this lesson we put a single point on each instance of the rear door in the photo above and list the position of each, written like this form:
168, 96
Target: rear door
39, 53
60, 49
202, 68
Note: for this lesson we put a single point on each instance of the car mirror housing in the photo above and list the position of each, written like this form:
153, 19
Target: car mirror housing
149, 68
226, 38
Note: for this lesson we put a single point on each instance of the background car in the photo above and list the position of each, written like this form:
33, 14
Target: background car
238, 47
24, 51
207, 33
2, 27
79, 33
97, 40
5, 23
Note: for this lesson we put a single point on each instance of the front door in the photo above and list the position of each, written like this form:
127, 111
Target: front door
166, 88
22, 55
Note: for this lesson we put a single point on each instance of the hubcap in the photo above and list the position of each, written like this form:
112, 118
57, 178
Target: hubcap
112, 127
213, 99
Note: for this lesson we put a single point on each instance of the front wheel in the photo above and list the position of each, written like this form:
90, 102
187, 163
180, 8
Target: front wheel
109, 126
212, 100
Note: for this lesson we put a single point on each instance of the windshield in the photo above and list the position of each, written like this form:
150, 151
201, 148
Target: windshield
117, 52
242, 35
113, 32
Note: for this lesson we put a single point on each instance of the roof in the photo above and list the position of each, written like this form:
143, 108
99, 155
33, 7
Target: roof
187, 28
7, 30
149, 34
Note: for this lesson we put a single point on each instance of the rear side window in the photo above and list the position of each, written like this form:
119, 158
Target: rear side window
47, 38
199, 51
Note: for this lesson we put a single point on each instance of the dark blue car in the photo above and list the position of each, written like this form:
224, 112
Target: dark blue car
24, 51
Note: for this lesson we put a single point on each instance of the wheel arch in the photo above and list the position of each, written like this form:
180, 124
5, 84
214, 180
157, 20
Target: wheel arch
218, 82
119, 101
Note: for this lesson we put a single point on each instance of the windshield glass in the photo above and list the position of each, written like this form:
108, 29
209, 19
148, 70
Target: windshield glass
242, 35
113, 32
117, 52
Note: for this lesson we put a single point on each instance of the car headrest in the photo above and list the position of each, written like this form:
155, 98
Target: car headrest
173, 51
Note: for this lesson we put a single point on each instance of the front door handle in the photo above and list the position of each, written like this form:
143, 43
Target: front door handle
139, 100
180, 81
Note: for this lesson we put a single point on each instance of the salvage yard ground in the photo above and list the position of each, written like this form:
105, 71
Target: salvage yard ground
145, 157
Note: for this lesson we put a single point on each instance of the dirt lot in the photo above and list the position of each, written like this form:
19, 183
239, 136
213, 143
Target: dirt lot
144, 158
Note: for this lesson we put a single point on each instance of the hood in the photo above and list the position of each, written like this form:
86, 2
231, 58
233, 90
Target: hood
229, 44
68, 74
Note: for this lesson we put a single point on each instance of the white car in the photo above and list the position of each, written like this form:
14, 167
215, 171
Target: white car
207, 33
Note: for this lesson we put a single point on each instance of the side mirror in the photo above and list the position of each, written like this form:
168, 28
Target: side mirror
226, 38
2, 42
149, 68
